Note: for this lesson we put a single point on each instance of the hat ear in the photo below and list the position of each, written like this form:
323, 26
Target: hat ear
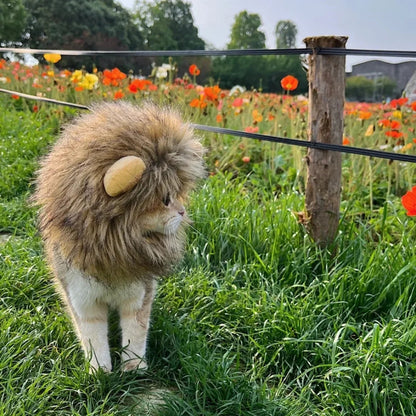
123, 175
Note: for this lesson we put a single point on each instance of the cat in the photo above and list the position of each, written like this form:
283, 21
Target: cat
108, 249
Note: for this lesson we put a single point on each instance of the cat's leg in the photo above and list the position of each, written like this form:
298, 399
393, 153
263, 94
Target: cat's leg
134, 322
90, 318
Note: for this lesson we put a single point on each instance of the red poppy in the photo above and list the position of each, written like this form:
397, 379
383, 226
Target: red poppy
139, 84
413, 106
409, 202
194, 70
395, 125
289, 83
385, 122
394, 134
398, 102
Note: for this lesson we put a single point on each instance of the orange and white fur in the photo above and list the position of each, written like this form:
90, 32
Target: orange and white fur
111, 214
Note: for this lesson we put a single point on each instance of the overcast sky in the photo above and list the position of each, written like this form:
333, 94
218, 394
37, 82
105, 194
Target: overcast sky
369, 24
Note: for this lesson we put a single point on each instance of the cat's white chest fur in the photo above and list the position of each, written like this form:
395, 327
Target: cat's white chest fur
83, 291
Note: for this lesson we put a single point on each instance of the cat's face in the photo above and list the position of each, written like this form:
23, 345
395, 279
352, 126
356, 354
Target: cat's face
165, 218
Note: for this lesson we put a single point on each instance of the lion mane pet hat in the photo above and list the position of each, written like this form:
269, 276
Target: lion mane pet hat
109, 168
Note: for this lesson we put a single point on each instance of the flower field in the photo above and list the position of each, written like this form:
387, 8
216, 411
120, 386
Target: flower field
385, 126
257, 320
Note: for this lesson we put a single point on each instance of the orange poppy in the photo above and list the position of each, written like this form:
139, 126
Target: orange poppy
113, 77
198, 103
118, 95
289, 83
409, 202
364, 115
211, 93
257, 117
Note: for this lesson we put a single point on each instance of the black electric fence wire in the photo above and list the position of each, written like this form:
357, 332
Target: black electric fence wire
226, 52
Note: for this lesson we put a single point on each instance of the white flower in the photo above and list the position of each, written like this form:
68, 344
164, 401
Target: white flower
161, 72
237, 89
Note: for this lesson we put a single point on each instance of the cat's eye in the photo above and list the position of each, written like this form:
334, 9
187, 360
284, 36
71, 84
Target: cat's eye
166, 200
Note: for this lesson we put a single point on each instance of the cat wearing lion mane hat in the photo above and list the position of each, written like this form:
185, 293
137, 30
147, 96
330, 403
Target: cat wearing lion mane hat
111, 214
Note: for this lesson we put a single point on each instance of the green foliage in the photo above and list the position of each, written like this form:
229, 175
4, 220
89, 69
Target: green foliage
259, 72
12, 22
359, 88
168, 25
245, 32
82, 24
286, 32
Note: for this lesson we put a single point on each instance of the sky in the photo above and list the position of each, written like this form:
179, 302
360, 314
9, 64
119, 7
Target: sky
369, 24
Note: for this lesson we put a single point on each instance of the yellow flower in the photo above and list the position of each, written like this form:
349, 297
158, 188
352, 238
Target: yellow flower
369, 131
52, 58
89, 81
397, 114
77, 76
51, 74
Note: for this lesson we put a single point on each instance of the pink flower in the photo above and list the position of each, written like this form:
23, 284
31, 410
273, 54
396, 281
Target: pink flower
251, 129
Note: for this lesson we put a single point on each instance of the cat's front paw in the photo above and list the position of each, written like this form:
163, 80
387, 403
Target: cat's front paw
134, 364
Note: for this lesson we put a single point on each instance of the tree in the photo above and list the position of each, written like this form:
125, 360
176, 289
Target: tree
82, 25
168, 25
245, 33
256, 72
12, 22
286, 32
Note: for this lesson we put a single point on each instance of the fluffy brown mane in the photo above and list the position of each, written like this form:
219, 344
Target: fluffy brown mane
100, 235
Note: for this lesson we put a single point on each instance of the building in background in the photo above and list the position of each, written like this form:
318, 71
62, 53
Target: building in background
376, 70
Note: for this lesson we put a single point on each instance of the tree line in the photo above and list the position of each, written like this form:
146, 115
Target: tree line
157, 25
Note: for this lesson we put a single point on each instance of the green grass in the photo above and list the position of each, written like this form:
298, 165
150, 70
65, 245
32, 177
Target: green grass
256, 321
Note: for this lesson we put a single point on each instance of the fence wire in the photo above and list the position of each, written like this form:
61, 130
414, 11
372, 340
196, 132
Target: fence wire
224, 52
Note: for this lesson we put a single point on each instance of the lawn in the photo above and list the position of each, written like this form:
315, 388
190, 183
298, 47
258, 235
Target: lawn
256, 320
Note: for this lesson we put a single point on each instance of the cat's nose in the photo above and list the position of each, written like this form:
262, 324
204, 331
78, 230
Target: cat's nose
181, 212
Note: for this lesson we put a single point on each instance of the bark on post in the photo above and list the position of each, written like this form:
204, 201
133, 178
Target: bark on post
325, 124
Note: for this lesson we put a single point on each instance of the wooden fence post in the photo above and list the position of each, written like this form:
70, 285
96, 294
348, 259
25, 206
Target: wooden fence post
325, 125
